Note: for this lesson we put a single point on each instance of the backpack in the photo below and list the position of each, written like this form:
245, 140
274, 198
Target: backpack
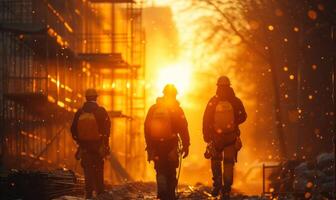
87, 127
224, 118
160, 125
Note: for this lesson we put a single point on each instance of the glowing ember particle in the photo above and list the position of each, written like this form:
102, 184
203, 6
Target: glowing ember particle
286, 96
314, 67
312, 14
296, 29
320, 7
285, 68
291, 77
254, 25
310, 97
270, 28
285, 40
309, 184
278, 12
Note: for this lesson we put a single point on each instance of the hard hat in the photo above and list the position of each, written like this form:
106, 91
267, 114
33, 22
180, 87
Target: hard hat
91, 93
170, 89
223, 81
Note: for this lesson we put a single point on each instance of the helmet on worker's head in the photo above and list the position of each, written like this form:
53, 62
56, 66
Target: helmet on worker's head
91, 94
223, 81
170, 90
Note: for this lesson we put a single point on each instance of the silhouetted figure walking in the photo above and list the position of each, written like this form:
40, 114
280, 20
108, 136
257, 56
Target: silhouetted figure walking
91, 130
165, 121
222, 116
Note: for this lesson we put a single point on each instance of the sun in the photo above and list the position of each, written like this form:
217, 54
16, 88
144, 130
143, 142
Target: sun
178, 74
160, 2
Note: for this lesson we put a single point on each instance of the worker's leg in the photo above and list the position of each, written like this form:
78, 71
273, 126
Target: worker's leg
161, 180
87, 165
216, 168
171, 182
172, 164
229, 161
99, 170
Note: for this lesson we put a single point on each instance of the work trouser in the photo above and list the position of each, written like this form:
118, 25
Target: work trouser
93, 166
165, 162
226, 175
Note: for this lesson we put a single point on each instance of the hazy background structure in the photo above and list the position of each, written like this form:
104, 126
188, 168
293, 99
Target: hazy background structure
51, 51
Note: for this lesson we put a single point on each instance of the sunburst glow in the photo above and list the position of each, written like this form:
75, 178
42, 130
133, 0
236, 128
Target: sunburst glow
178, 74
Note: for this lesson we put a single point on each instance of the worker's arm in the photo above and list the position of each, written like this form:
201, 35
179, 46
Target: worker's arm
147, 128
183, 128
106, 126
240, 113
208, 121
73, 128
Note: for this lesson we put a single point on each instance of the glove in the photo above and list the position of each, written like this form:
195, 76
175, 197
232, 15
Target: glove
185, 152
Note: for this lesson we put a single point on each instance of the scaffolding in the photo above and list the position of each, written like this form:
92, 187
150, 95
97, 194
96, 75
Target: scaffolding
120, 63
51, 51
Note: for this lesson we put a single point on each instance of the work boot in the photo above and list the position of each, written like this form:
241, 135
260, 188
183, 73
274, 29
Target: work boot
215, 191
225, 196
226, 192
172, 183
162, 187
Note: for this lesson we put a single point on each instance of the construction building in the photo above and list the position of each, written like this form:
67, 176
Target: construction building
51, 51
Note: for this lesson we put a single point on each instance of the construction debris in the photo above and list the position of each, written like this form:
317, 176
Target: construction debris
147, 191
22, 184
314, 179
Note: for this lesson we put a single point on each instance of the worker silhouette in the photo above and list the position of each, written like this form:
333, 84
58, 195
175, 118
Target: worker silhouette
221, 119
165, 122
91, 130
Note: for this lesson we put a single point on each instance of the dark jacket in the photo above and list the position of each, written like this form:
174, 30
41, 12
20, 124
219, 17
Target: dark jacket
208, 118
103, 121
178, 120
